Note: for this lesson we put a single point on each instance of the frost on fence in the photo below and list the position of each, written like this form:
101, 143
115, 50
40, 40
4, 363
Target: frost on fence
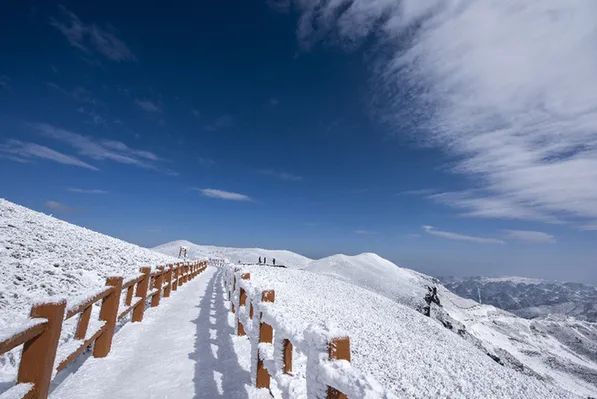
317, 372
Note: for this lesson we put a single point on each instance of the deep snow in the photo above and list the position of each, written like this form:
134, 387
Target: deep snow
410, 354
41, 256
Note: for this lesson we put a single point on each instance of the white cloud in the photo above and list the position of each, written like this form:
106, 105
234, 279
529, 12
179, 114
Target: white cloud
87, 36
224, 195
460, 237
98, 149
148, 105
507, 88
58, 206
278, 174
365, 232
86, 190
20, 151
589, 227
530, 236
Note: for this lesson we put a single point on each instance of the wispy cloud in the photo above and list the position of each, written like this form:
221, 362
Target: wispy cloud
148, 105
364, 232
278, 174
206, 162
589, 227
460, 237
98, 149
86, 190
417, 192
282, 6
78, 93
58, 207
4, 82
90, 37
537, 237
485, 82
225, 121
223, 195
21, 151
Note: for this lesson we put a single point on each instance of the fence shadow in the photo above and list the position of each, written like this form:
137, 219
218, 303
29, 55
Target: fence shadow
218, 373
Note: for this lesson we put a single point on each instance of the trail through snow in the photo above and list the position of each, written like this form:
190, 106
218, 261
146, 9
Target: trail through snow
185, 348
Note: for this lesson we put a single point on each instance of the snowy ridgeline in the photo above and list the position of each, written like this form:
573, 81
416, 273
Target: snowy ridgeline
235, 255
41, 257
395, 349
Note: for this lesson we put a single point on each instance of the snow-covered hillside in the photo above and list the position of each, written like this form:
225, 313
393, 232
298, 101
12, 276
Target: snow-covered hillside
234, 255
409, 354
41, 256
563, 351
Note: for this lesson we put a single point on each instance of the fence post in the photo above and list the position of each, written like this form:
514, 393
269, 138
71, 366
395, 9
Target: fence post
157, 284
108, 313
83, 323
37, 359
175, 278
287, 356
338, 349
168, 286
266, 334
233, 289
142, 286
240, 329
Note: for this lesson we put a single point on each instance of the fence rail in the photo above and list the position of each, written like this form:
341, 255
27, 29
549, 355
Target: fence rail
42, 356
328, 373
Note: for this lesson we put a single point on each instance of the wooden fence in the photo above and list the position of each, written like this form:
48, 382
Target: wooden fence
328, 372
42, 356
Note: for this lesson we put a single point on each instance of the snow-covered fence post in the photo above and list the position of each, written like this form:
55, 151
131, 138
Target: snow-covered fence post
287, 356
168, 286
109, 314
242, 299
141, 293
83, 323
175, 277
338, 349
157, 284
37, 359
266, 335
233, 289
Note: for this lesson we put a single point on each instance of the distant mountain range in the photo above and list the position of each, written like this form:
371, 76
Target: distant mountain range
529, 298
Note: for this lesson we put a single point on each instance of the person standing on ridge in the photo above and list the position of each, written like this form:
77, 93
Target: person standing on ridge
274, 261
260, 260
264, 260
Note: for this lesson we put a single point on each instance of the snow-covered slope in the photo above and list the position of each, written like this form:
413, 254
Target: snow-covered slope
563, 351
234, 255
42, 256
409, 354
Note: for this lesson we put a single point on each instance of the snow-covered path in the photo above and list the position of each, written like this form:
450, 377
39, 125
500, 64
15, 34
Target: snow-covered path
182, 349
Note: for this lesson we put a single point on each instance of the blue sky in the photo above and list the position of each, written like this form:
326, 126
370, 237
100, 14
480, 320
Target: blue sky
396, 129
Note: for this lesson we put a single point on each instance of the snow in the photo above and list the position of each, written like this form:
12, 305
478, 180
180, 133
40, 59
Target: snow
18, 391
409, 354
182, 349
44, 258
234, 255
562, 352
189, 342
